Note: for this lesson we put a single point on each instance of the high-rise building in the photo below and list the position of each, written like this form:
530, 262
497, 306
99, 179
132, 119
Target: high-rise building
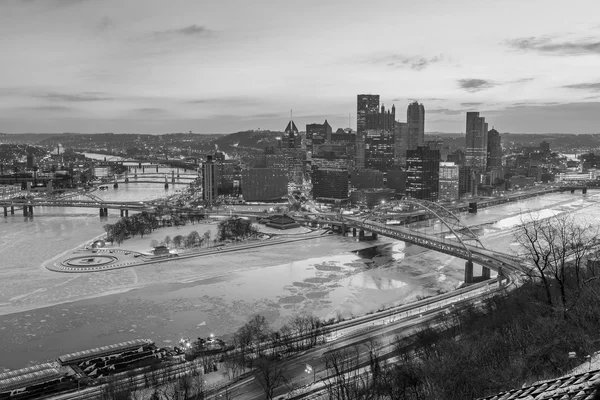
292, 136
423, 172
466, 181
415, 118
383, 120
494, 150
545, 147
400, 143
365, 104
317, 134
476, 142
379, 149
264, 184
330, 185
396, 179
449, 181
209, 184
366, 179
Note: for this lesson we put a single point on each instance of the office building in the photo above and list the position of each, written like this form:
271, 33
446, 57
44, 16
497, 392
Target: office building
291, 139
366, 179
264, 184
415, 118
371, 197
494, 150
400, 143
365, 104
466, 181
476, 142
209, 184
423, 172
383, 120
317, 134
379, 149
330, 185
449, 181
396, 180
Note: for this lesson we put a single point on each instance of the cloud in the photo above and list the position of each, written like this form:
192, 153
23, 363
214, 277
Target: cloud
444, 111
105, 24
85, 96
150, 110
192, 30
593, 87
548, 45
475, 85
228, 101
50, 108
399, 61
58, 3
470, 104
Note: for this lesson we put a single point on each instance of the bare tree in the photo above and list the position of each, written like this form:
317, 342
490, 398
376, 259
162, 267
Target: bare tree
270, 375
556, 246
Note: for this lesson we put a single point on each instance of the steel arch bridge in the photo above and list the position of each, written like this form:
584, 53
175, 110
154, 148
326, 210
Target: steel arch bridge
396, 208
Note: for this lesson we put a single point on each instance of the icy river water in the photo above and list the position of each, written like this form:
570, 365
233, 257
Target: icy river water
45, 314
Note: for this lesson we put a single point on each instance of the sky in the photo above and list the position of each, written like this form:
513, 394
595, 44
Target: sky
157, 66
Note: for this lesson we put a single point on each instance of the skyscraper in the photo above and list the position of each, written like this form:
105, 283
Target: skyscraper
317, 134
423, 173
449, 181
365, 104
476, 142
415, 118
400, 143
292, 138
209, 186
379, 139
494, 150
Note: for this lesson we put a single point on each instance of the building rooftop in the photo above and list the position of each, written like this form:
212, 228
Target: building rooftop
573, 387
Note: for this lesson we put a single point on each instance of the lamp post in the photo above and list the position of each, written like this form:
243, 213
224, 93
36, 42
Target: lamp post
310, 369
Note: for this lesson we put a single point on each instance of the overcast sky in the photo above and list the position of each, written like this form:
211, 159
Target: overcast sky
157, 66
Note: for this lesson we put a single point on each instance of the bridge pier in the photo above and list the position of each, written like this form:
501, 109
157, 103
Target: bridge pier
584, 190
156, 167
354, 232
116, 185
12, 210
31, 211
127, 213
24, 211
469, 272
122, 213
6, 211
572, 190
485, 273
473, 208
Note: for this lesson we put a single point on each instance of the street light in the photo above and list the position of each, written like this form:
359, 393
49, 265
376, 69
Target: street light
310, 369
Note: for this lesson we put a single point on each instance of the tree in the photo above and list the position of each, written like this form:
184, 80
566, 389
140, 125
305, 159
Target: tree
192, 239
206, 237
556, 246
154, 243
270, 376
236, 228
167, 240
178, 241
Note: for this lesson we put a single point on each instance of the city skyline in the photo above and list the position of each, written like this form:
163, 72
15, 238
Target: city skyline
150, 67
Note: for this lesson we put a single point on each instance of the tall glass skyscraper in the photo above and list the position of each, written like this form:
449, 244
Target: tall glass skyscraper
415, 118
476, 142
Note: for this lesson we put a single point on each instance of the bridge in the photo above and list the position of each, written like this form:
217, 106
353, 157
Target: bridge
453, 238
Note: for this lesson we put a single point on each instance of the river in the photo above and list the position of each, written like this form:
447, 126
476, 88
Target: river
45, 314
